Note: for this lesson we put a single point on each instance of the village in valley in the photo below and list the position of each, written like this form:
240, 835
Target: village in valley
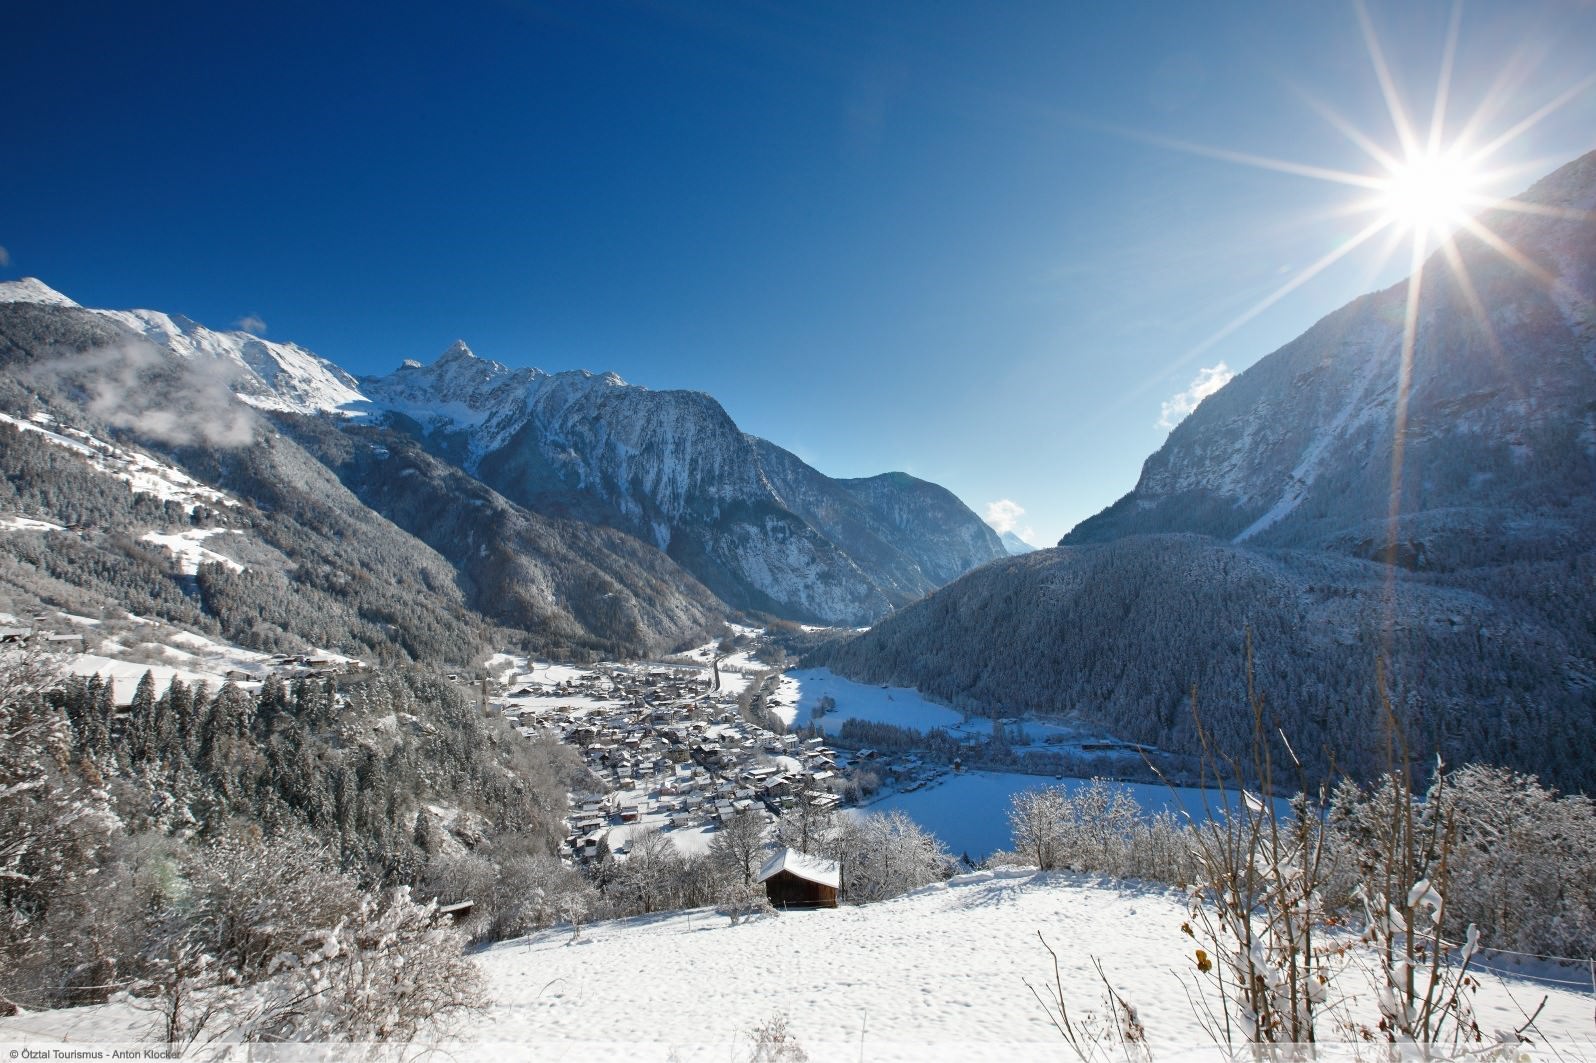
678, 745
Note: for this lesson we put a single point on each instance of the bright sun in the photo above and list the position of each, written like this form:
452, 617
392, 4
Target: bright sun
1429, 193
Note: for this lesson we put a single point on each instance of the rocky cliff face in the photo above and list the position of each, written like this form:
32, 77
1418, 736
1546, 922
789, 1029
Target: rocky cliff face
752, 521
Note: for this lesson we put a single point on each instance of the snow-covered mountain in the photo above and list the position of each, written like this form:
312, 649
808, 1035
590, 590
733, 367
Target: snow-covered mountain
32, 290
667, 472
1496, 419
1333, 519
752, 521
268, 375
1014, 545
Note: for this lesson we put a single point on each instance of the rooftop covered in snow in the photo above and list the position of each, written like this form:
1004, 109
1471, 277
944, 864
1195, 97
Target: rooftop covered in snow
809, 868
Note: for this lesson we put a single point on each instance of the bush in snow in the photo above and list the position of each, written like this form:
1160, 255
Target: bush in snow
248, 903
1037, 820
773, 1042
1523, 863
885, 855
385, 973
1096, 827
265, 942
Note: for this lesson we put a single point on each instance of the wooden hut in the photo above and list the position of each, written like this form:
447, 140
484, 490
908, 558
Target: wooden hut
798, 880
456, 913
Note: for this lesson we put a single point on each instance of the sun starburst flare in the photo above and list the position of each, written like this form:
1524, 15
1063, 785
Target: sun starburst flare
1424, 194
1431, 188
1432, 192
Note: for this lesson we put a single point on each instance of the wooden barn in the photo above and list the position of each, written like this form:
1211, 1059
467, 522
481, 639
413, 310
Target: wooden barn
798, 880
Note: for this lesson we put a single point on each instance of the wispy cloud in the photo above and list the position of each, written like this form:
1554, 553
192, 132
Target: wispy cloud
251, 323
134, 386
5, 257
1206, 382
1004, 514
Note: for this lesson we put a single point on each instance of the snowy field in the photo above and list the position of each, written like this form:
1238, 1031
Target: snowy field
16, 523
899, 706
939, 974
689, 841
186, 547
513, 671
907, 707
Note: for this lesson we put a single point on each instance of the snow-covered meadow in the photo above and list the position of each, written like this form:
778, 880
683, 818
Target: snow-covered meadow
938, 974
941, 973
906, 707
899, 706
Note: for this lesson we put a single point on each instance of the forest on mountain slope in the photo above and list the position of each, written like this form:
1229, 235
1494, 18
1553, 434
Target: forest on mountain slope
1122, 636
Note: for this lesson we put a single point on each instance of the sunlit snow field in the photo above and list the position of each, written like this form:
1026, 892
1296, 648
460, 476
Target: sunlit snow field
899, 706
938, 974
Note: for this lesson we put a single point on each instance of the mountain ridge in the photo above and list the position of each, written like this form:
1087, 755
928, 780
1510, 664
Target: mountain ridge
677, 533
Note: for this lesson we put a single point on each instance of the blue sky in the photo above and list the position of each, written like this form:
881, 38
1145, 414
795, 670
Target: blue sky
954, 239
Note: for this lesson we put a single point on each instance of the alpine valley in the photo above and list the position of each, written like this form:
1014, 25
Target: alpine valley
1346, 530
427, 515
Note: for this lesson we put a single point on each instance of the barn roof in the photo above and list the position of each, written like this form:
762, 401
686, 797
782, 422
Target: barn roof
811, 868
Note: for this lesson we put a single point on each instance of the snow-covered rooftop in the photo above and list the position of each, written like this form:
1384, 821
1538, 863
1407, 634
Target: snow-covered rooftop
811, 868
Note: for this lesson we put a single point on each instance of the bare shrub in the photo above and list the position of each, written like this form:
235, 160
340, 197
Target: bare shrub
773, 1042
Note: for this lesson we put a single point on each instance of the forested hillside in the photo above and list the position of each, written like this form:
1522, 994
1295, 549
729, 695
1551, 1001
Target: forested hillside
1120, 635
113, 821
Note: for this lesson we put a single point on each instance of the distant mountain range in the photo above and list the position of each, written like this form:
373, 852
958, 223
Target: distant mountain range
752, 521
571, 510
1433, 523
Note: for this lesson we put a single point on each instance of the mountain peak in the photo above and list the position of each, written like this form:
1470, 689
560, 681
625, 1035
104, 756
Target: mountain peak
458, 351
1014, 544
32, 290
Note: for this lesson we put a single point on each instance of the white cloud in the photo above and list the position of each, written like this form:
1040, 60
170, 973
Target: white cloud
251, 323
133, 385
5, 257
1206, 382
1003, 514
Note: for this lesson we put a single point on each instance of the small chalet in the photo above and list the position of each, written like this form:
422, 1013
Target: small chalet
798, 880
